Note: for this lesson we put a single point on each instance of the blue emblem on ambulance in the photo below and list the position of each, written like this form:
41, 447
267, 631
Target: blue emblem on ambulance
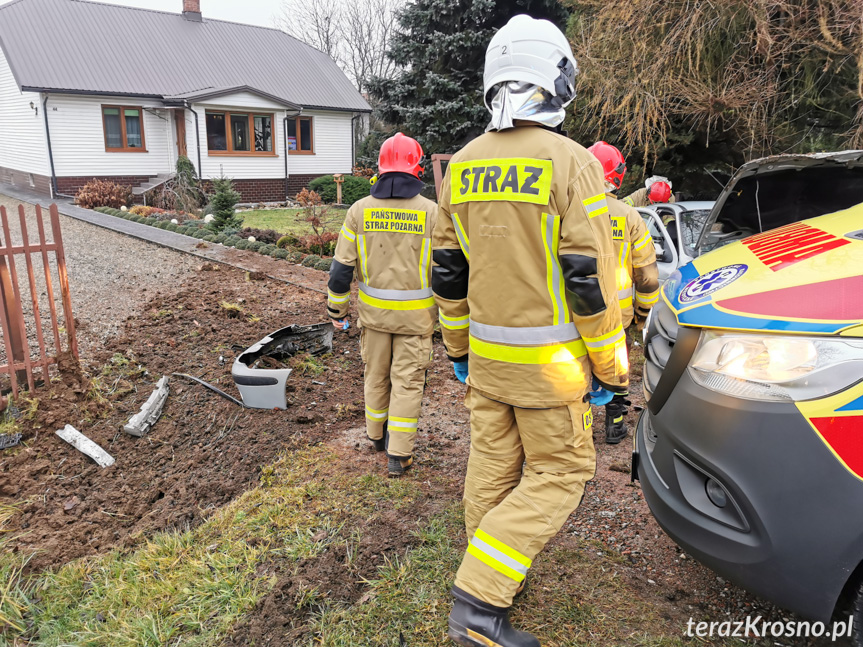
711, 282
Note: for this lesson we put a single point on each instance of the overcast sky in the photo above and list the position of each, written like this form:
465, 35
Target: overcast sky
251, 12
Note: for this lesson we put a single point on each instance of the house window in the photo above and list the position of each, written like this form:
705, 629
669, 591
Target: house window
301, 139
239, 133
124, 129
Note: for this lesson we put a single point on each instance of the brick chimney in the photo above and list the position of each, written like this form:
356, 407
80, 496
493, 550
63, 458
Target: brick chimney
192, 10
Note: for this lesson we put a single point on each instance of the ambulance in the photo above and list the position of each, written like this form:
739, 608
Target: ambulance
750, 450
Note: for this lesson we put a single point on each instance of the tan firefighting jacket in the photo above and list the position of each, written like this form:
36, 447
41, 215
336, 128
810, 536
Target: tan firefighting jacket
639, 199
637, 274
524, 269
388, 242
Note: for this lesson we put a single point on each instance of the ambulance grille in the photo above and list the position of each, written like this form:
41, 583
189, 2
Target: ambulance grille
660, 340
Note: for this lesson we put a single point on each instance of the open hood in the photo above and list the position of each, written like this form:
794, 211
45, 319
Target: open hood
774, 191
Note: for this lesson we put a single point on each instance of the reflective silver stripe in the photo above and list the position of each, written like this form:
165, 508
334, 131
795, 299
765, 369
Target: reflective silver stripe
495, 554
461, 234
394, 424
555, 282
533, 336
606, 342
623, 294
396, 295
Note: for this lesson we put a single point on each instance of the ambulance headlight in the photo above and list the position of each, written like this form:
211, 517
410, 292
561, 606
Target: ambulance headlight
779, 368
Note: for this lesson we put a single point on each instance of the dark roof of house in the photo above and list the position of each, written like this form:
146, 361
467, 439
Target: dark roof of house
93, 48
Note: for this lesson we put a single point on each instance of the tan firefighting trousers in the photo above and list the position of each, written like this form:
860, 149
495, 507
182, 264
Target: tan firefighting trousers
511, 514
395, 378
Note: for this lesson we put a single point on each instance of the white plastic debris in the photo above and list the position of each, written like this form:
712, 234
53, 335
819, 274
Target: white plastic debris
251, 239
123, 208
209, 218
174, 221
151, 410
86, 446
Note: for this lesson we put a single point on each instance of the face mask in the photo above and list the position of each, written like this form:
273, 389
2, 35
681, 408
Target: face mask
525, 101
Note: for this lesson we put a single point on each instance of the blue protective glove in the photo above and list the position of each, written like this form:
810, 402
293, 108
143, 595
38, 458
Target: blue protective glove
600, 396
341, 324
460, 369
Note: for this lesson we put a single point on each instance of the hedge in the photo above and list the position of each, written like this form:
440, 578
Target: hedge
353, 188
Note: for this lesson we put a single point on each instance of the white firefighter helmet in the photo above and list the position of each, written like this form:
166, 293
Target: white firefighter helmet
532, 51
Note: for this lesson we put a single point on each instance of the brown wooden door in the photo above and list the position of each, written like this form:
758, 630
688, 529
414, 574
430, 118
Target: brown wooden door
180, 122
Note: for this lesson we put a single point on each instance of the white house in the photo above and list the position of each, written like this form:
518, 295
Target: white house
90, 90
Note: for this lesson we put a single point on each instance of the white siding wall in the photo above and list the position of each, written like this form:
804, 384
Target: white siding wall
78, 138
332, 137
22, 129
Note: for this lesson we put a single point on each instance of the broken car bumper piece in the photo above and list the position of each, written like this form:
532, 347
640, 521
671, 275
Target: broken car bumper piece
264, 388
151, 410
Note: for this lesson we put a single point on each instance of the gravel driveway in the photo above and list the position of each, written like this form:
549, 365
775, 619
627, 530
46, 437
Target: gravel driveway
110, 275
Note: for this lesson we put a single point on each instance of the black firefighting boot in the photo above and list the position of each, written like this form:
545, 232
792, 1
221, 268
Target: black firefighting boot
474, 623
615, 425
398, 465
380, 444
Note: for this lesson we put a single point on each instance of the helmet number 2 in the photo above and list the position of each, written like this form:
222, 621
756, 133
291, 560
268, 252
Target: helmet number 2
503, 49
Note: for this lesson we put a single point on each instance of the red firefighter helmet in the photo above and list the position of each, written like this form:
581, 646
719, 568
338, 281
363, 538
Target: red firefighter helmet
613, 163
659, 192
401, 154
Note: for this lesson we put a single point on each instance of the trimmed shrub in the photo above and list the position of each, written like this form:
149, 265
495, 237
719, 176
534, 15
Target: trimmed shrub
172, 227
102, 193
150, 221
295, 257
353, 188
254, 246
310, 260
324, 264
241, 244
267, 249
265, 236
220, 238
162, 224
281, 254
199, 233
209, 238
232, 241
287, 241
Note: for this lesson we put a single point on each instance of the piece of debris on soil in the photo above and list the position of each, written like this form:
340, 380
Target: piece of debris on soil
86, 446
150, 412
208, 267
233, 310
623, 468
202, 245
9, 440
255, 276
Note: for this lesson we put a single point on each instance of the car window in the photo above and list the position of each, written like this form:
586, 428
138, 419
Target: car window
691, 224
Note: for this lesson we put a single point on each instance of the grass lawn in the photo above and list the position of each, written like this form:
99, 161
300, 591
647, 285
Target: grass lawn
287, 221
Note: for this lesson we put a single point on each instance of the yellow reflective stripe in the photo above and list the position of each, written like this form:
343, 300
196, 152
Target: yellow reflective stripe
385, 304
454, 323
647, 299
361, 246
517, 179
493, 563
425, 253
338, 298
641, 242
624, 253
554, 276
606, 341
502, 547
552, 354
596, 205
461, 234
628, 200
402, 424
625, 303
376, 414
347, 233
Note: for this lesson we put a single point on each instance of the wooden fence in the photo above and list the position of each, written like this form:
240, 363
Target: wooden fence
20, 363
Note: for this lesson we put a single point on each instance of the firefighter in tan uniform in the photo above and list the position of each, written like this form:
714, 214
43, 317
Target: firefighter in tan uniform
657, 190
637, 274
524, 276
387, 239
